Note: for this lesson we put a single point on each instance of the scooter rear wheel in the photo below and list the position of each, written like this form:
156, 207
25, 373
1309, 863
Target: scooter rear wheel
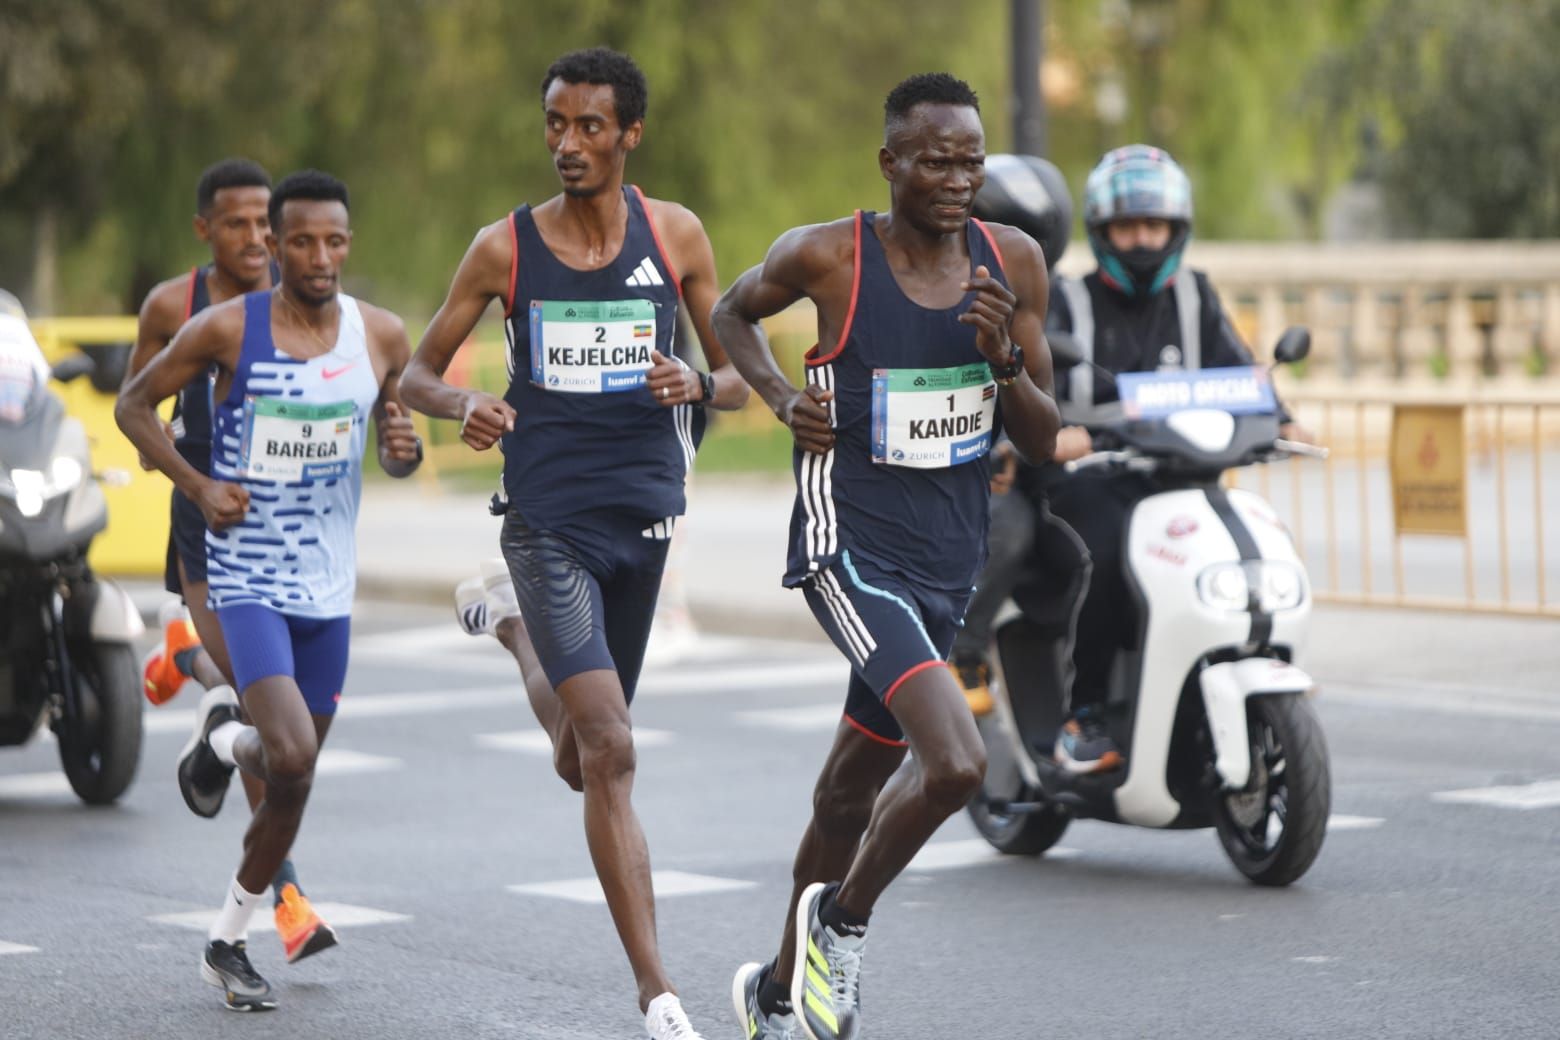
1274, 828
1018, 833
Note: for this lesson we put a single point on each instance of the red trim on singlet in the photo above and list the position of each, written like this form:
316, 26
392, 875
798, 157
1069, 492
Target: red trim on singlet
189, 296
514, 264
811, 356
666, 258
880, 739
991, 240
923, 666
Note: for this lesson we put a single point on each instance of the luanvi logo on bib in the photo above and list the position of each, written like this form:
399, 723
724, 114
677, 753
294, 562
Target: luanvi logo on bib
591, 346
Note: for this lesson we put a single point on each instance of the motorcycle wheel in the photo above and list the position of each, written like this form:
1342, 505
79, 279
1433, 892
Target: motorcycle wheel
1273, 829
1019, 834
101, 759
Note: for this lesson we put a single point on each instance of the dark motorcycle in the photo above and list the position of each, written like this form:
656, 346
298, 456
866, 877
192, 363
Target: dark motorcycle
66, 656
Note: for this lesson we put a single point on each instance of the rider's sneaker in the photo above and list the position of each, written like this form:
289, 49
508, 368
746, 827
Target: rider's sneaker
1084, 746
160, 676
756, 1025
826, 982
974, 678
666, 1020
226, 966
203, 777
302, 931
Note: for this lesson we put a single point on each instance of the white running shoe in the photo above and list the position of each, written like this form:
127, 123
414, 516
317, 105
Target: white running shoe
485, 600
666, 1020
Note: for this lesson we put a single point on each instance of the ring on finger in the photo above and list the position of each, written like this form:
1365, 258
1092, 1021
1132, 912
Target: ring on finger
666, 392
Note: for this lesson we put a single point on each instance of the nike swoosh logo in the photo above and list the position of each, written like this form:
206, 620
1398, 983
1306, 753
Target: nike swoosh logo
326, 373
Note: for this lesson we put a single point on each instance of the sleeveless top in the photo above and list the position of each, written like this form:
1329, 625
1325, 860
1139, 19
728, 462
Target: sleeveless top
192, 406
907, 482
588, 434
293, 433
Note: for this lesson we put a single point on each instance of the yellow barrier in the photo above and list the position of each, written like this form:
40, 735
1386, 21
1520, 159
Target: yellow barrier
137, 537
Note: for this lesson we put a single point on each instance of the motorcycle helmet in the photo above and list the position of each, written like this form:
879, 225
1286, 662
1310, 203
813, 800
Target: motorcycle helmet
1138, 181
1030, 194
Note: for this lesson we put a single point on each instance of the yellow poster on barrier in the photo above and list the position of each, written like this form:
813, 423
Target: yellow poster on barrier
1429, 472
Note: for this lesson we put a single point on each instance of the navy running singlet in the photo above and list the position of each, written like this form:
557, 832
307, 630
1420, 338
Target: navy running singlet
907, 482
588, 435
192, 406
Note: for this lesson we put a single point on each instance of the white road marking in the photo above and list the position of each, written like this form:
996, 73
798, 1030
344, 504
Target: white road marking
1344, 822
1544, 794
373, 705
34, 785
666, 883
536, 741
7, 948
807, 719
1445, 699
1313, 960
337, 915
336, 761
972, 852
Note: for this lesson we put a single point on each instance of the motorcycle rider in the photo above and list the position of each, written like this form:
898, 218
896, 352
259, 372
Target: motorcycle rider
1140, 310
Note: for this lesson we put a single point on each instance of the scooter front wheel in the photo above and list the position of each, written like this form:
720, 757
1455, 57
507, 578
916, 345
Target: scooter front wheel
1018, 833
101, 750
1273, 828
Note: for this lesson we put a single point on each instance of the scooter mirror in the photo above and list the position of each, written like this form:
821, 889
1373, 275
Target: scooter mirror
1293, 345
73, 367
1064, 349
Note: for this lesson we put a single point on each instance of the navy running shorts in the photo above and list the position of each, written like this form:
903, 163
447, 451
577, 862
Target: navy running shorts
263, 642
888, 628
187, 542
587, 590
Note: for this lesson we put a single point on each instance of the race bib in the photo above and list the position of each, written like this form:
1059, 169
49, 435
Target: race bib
290, 441
594, 347
932, 418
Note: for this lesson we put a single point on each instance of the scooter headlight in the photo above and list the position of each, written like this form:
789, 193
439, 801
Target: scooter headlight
1273, 584
66, 472
1224, 586
30, 486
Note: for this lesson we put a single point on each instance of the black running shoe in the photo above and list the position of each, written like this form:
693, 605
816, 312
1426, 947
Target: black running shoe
226, 966
826, 982
1084, 745
203, 777
756, 1025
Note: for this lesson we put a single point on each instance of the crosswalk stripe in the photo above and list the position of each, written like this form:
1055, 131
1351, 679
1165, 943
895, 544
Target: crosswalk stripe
666, 883
340, 761
808, 719
1345, 822
337, 915
537, 742
1544, 794
8, 948
34, 785
972, 852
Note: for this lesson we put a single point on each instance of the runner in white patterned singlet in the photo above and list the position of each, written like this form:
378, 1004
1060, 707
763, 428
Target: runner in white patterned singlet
298, 372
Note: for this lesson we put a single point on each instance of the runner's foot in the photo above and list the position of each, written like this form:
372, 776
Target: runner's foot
203, 777
226, 966
826, 982
160, 675
301, 928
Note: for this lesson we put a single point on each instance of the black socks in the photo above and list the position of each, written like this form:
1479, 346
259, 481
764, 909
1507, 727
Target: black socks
774, 998
837, 918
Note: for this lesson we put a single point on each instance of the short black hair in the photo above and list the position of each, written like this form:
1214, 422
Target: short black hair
925, 88
229, 173
309, 185
602, 65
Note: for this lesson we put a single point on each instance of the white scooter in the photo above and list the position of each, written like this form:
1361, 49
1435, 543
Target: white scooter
1205, 701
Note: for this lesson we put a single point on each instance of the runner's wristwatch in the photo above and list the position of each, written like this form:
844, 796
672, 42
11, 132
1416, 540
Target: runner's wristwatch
707, 382
1007, 375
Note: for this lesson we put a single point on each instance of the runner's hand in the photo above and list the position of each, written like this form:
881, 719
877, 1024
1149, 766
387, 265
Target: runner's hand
680, 382
485, 420
1004, 467
397, 438
222, 504
991, 312
807, 414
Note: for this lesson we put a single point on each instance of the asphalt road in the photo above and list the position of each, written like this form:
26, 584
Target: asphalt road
437, 824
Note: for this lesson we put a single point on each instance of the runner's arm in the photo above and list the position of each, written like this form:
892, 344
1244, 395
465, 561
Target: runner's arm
483, 276
795, 263
400, 449
161, 314
1029, 413
209, 338
695, 259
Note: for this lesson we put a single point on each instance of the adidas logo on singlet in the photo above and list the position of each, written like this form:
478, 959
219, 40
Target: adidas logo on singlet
645, 274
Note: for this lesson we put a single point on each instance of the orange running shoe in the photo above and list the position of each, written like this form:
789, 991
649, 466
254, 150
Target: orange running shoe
303, 933
160, 677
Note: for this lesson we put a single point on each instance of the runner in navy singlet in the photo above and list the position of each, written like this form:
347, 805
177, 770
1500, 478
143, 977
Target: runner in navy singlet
598, 431
298, 372
930, 339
